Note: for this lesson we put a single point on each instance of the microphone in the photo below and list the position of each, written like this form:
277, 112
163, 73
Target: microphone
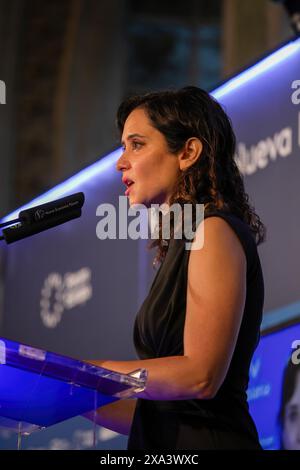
40, 218
52, 209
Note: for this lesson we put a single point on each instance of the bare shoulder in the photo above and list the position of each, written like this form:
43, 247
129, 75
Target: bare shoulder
216, 237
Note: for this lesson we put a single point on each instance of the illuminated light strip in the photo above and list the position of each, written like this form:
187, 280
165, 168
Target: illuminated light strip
280, 315
73, 183
255, 70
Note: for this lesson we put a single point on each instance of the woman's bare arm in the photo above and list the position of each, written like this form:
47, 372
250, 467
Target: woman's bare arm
216, 293
115, 416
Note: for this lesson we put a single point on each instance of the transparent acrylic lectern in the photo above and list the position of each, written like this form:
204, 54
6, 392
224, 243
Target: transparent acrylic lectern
39, 388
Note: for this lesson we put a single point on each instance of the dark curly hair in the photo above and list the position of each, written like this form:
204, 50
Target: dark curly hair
214, 179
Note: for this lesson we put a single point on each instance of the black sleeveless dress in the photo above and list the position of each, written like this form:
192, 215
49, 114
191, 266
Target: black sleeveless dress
223, 422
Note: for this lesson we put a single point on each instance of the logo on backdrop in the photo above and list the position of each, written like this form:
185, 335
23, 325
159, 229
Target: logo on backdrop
267, 150
257, 389
255, 367
259, 156
64, 292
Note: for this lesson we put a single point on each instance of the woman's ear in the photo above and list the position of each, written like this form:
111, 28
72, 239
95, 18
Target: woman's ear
190, 153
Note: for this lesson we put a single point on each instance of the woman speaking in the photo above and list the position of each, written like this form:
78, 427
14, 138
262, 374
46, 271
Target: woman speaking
199, 325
